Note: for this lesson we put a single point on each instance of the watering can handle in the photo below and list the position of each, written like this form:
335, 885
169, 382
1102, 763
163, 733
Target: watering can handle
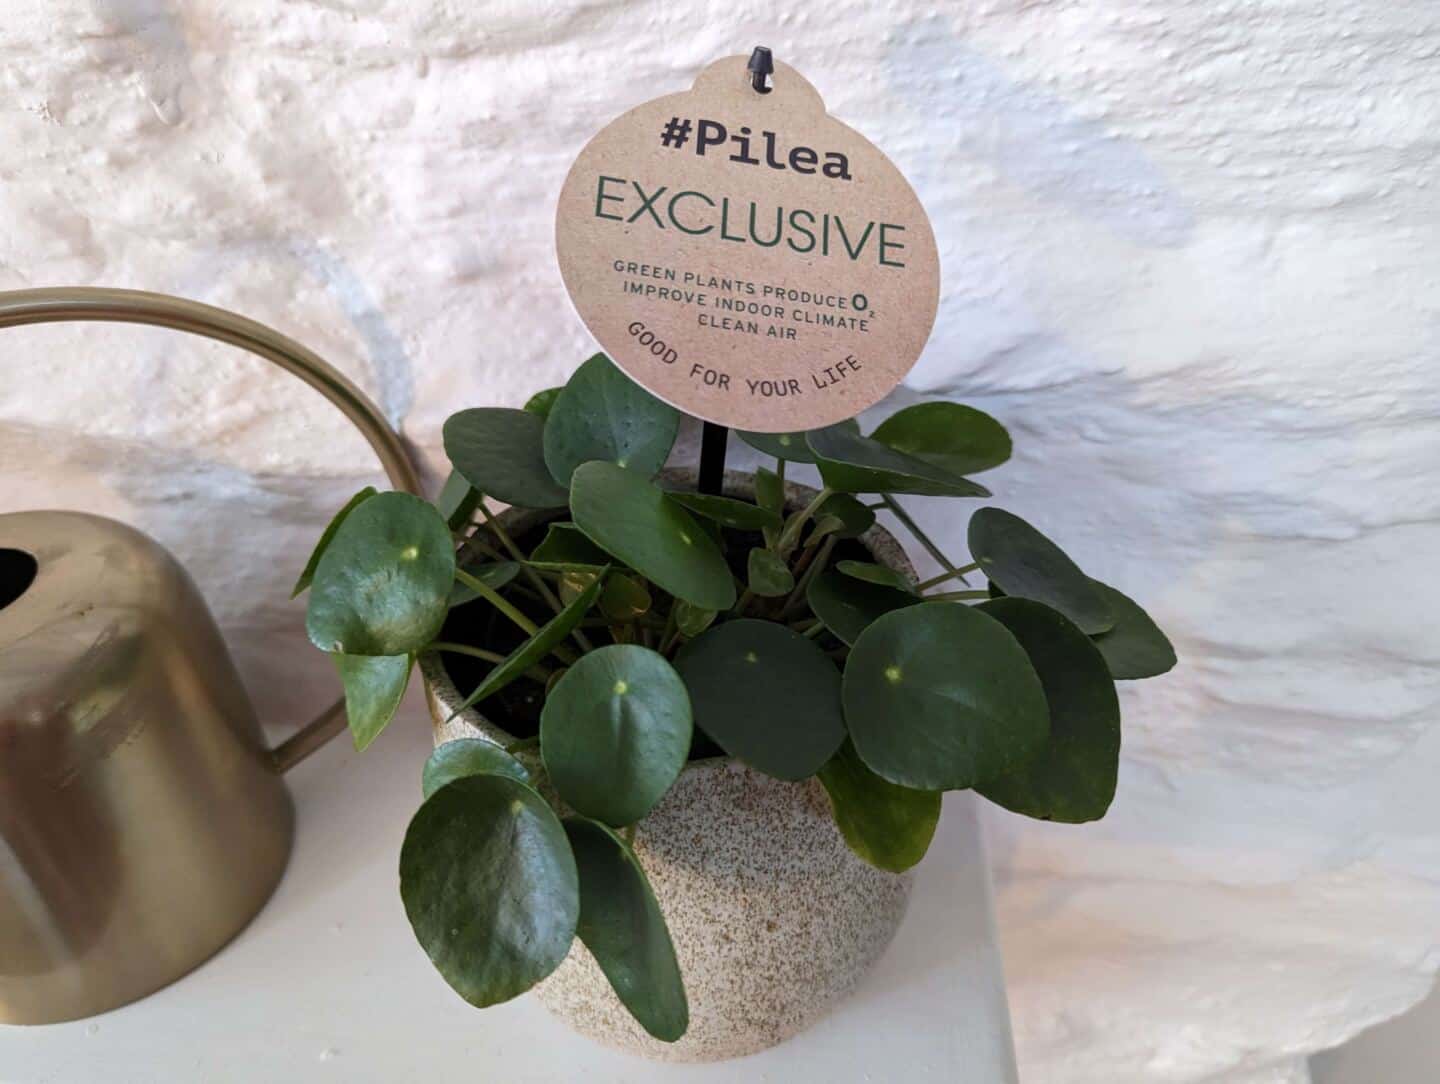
48, 306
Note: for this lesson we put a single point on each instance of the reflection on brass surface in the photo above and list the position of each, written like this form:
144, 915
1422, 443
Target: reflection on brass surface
143, 822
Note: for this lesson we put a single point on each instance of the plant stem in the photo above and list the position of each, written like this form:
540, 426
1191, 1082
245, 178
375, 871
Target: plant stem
780, 473
537, 672
791, 534
490, 595
920, 536
803, 582
957, 596
530, 573
947, 576
523, 743
815, 629
629, 836
746, 597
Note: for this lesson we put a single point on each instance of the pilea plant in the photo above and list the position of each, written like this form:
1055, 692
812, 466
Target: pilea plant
650, 624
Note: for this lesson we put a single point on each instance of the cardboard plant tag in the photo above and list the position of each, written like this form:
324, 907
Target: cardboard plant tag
746, 257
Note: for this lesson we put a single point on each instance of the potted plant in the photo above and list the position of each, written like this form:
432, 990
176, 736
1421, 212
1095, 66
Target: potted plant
704, 735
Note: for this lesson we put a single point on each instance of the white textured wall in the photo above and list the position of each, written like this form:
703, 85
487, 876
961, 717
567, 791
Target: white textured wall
1191, 255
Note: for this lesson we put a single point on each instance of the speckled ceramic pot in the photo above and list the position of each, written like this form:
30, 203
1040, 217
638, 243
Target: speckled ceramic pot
773, 918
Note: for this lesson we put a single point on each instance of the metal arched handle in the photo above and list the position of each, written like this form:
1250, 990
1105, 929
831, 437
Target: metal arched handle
88, 303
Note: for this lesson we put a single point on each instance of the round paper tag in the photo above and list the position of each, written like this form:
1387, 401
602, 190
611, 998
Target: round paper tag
746, 257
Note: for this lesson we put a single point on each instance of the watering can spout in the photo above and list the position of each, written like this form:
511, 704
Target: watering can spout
143, 820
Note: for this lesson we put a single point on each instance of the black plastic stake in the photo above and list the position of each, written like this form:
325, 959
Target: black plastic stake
713, 439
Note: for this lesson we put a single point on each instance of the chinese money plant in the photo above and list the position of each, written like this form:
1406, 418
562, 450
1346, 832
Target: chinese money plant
645, 624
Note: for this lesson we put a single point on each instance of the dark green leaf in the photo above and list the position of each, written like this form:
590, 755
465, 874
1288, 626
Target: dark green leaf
542, 401
624, 598
851, 463
791, 446
490, 886
855, 519
766, 695
742, 515
456, 759
535, 648
1135, 647
326, 537
1073, 778
500, 452
873, 573
565, 546
604, 415
940, 696
1026, 564
958, 439
374, 686
615, 732
382, 586
624, 929
768, 575
457, 501
496, 574
629, 517
692, 620
887, 825
848, 606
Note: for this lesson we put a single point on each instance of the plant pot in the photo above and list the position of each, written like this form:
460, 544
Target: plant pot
773, 917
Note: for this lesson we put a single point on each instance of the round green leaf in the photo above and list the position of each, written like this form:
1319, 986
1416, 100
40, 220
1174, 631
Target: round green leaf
626, 515
766, 695
490, 886
791, 446
374, 686
767, 574
956, 438
848, 606
456, 759
1135, 647
615, 732
624, 598
1072, 779
873, 573
692, 620
565, 546
382, 586
499, 451
542, 401
326, 537
855, 519
850, 463
742, 515
624, 929
940, 696
1026, 564
889, 826
601, 414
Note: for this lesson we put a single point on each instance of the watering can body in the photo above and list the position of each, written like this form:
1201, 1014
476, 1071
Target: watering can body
142, 820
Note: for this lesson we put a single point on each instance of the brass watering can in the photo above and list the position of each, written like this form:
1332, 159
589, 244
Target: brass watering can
143, 821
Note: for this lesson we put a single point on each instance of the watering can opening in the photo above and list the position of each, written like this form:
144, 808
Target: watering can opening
17, 573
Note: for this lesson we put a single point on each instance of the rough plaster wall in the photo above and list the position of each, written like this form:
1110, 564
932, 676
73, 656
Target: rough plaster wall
1190, 256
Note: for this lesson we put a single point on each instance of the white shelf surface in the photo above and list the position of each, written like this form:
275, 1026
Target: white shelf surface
328, 984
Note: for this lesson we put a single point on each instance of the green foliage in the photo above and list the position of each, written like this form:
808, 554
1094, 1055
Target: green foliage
615, 732
766, 695
887, 825
602, 415
621, 625
470, 837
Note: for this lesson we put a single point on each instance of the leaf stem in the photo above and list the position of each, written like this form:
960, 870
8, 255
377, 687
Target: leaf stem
797, 522
920, 536
534, 577
538, 672
932, 582
957, 596
810, 573
490, 595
